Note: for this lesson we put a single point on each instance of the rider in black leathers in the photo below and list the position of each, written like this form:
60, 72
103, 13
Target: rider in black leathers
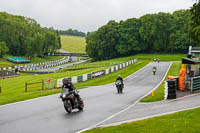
70, 86
120, 78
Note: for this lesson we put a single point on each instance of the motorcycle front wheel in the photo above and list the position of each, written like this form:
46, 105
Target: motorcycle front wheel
118, 89
121, 89
68, 106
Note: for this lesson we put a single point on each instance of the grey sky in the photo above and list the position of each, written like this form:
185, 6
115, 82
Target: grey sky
88, 15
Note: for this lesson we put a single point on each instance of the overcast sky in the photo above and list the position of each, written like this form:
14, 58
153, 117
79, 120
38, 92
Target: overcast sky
88, 15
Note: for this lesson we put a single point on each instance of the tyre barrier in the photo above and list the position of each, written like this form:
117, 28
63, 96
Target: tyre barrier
170, 89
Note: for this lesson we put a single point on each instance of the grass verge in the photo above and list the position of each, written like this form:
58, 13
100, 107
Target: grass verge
106, 79
159, 93
162, 57
13, 89
181, 122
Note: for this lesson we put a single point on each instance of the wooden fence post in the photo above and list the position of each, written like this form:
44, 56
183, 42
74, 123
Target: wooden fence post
42, 84
26, 87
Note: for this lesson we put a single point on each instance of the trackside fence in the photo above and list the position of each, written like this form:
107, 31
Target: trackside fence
43, 85
84, 77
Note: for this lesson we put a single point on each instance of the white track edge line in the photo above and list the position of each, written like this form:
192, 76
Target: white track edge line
147, 117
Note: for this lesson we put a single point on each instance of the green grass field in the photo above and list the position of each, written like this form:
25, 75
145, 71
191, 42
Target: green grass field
13, 89
181, 122
106, 79
73, 44
159, 93
162, 57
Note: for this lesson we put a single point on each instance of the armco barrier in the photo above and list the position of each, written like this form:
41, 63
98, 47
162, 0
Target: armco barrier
89, 76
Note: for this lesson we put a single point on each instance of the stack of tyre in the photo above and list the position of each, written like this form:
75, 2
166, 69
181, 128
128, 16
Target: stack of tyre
172, 85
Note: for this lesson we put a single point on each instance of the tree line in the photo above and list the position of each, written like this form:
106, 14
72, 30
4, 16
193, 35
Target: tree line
194, 28
23, 36
151, 33
69, 32
72, 32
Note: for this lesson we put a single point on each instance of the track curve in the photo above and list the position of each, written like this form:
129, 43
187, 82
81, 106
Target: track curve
47, 114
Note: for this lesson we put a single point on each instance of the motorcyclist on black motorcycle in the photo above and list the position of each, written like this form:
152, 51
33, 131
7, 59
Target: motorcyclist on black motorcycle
122, 84
70, 97
120, 78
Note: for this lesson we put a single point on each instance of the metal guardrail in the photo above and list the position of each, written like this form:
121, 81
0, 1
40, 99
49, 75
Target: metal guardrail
84, 77
66, 54
26, 85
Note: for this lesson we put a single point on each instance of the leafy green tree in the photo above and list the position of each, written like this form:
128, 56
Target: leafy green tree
92, 45
36, 45
3, 49
24, 36
151, 33
195, 23
50, 42
129, 37
104, 43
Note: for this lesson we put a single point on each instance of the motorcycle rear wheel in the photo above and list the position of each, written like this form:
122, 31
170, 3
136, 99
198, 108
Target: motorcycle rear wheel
81, 104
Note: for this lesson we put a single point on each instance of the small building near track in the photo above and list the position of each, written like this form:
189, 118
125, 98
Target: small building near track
192, 80
18, 60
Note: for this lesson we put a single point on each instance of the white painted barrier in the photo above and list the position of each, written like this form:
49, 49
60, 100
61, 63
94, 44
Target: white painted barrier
85, 77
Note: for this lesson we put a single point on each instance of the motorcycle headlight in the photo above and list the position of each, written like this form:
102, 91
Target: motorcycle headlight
63, 95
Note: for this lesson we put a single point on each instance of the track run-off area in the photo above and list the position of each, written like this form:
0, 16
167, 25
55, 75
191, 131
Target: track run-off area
47, 114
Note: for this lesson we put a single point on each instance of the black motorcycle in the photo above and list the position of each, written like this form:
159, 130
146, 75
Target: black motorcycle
119, 86
71, 101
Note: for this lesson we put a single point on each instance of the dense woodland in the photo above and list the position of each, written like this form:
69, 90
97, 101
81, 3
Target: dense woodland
22, 36
194, 27
151, 33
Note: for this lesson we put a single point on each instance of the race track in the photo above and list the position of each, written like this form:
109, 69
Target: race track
47, 114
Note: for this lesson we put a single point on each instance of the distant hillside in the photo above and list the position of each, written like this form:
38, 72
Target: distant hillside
73, 44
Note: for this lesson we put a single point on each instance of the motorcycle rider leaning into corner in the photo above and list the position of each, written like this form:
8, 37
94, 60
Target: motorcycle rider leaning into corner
120, 78
70, 86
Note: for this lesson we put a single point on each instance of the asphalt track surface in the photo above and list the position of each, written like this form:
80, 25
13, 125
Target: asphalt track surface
47, 114
65, 65
153, 109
